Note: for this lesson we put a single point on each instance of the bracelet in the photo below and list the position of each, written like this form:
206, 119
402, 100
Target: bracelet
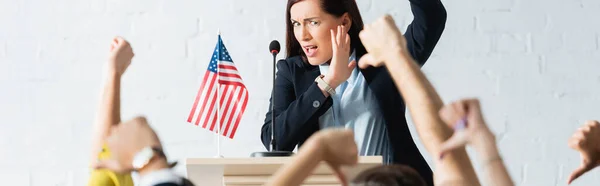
322, 84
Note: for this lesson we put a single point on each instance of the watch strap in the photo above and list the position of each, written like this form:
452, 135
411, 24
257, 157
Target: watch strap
323, 85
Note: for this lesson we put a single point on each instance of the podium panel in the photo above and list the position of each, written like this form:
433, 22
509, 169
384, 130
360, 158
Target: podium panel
256, 171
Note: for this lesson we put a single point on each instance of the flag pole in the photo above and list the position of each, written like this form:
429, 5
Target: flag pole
219, 101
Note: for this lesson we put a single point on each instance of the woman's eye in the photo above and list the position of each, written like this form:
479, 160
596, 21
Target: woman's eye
296, 24
314, 23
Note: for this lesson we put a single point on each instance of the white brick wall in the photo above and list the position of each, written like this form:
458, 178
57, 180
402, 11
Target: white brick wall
534, 64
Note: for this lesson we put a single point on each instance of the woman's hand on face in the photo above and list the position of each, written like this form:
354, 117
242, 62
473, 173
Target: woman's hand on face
382, 39
340, 69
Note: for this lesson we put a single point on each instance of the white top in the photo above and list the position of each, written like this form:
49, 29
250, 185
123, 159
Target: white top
160, 176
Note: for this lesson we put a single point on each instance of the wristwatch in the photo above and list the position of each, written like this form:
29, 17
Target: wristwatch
323, 85
144, 156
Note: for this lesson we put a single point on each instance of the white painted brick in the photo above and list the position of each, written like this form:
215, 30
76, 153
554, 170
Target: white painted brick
159, 26
87, 7
394, 8
43, 143
365, 6
464, 44
9, 134
511, 22
512, 43
581, 41
81, 176
8, 7
556, 149
540, 173
497, 121
193, 8
510, 65
547, 42
2, 49
462, 23
8, 16
79, 49
563, 173
52, 178
26, 23
476, 84
101, 25
35, 73
501, 6
513, 153
11, 22
515, 170
582, 64
173, 49
17, 177
571, 16
133, 6
590, 4
23, 49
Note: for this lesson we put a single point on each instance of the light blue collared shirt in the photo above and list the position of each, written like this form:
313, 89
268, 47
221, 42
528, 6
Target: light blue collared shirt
355, 107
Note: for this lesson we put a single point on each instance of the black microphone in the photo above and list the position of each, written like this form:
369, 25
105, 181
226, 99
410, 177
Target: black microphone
274, 48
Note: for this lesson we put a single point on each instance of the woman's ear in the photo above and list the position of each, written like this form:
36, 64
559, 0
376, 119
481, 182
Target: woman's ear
346, 21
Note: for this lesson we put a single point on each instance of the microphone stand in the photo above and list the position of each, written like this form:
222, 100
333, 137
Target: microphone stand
273, 146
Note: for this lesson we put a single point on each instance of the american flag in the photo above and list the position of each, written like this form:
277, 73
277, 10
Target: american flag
221, 75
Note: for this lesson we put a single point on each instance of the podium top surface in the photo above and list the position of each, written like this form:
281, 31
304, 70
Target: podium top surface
264, 161
267, 165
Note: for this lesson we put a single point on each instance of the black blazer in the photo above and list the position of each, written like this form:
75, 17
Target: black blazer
299, 102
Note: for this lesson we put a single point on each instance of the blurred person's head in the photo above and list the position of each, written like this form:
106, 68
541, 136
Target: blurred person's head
308, 25
389, 175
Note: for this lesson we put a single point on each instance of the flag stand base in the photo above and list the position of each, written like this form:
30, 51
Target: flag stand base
271, 154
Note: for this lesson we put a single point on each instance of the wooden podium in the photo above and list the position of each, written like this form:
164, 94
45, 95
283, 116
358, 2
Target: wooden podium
256, 171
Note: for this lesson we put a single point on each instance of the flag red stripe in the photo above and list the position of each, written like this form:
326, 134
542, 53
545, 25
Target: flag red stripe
212, 83
232, 83
228, 103
232, 113
212, 125
235, 105
212, 106
189, 120
213, 122
230, 67
230, 75
240, 114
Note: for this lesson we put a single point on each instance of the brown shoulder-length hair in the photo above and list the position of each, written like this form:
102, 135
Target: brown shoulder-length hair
336, 8
389, 175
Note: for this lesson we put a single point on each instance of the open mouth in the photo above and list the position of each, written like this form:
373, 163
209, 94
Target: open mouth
310, 50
